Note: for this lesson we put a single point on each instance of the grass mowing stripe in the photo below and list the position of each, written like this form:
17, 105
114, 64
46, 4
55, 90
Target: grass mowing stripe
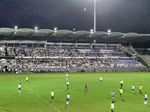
37, 95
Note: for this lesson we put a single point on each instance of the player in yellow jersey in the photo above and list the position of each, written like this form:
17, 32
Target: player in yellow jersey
67, 84
140, 89
121, 92
27, 78
112, 106
121, 83
101, 79
52, 95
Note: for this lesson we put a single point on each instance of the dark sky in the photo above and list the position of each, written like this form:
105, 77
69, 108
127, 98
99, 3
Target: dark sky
117, 15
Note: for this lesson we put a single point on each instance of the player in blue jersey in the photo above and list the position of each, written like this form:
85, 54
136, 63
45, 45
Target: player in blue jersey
145, 98
19, 88
66, 76
113, 94
68, 98
133, 88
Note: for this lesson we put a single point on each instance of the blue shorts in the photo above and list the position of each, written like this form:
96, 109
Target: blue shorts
19, 88
145, 99
132, 89
67, 99
112, 95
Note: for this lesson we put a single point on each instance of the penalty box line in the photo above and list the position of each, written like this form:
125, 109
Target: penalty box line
38, 95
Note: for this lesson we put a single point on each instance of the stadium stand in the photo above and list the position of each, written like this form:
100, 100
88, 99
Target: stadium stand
49, 51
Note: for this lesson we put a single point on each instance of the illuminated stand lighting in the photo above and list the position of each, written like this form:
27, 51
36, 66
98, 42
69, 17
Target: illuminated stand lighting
55, 31
16, 28
74, 30
109, 32
91, 32
36, 29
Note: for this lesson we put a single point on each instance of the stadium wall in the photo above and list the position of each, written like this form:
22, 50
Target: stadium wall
52, 70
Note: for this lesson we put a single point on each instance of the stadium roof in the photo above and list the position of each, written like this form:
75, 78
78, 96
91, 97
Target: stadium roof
71, 36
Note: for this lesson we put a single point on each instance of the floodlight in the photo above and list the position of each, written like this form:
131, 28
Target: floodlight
92, 31
74, 29
55, 29
16, 27
109, 31
36, 28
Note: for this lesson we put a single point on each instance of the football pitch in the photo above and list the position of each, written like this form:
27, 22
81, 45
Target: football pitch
36, 94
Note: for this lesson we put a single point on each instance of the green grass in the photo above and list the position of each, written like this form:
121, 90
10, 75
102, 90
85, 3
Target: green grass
35, 96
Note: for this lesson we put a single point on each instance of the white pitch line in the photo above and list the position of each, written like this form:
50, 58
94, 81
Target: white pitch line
38, 95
